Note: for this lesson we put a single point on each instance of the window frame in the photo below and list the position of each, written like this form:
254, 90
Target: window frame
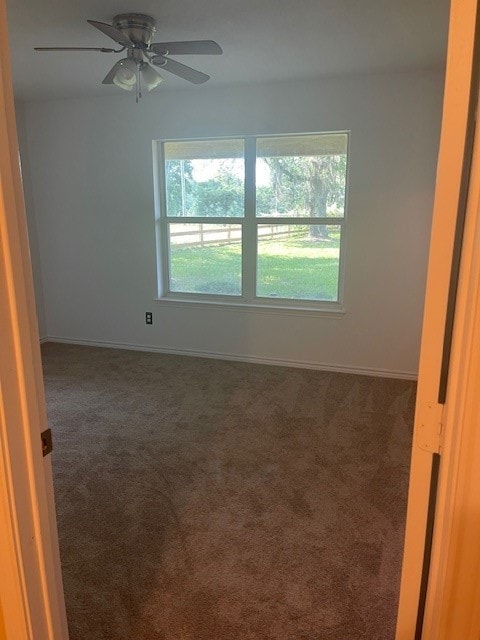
249, 223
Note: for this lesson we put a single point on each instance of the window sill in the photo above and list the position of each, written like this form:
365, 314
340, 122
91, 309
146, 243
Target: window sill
330, 310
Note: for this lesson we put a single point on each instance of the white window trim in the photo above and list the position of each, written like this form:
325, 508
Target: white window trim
247, 301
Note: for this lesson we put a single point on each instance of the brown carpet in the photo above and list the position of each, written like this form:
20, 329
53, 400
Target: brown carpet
208, 500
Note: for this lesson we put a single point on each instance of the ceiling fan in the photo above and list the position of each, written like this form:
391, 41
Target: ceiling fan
134, 32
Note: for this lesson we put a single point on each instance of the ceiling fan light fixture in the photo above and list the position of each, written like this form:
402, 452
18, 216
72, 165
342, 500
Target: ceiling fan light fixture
126, 76
134, 33
150, 77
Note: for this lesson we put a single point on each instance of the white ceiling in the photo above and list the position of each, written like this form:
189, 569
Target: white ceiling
263, 40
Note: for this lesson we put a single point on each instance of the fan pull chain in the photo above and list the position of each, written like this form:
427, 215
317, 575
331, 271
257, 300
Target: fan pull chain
138, 86
137, 83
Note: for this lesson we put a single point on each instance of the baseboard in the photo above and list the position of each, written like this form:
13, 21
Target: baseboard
378, 373
44, 339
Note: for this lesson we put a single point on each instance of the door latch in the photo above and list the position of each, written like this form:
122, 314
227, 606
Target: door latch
47, 445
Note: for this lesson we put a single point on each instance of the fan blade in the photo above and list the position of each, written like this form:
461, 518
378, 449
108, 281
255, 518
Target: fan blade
181, 70
111, 74
194, 47
102, 49
112, 32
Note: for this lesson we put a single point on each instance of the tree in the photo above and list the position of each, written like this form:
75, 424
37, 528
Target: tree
181, 192
222, 195
309, 185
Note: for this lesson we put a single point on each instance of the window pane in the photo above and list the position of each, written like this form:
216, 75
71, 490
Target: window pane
206, 258
205, 178
298, 262
302, 176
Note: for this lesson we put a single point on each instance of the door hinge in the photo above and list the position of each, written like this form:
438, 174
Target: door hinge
429, 426
47, 445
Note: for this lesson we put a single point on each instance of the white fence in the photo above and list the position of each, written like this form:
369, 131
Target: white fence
199, 235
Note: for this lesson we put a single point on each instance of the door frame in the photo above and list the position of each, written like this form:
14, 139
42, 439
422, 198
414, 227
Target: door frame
31, 592
443, 426
453, 599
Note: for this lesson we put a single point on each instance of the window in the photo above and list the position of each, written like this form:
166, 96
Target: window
256, 221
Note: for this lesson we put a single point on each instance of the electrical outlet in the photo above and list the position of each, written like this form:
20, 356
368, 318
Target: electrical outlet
148, 317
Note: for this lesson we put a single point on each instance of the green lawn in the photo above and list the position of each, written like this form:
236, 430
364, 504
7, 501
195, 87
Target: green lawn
294, 267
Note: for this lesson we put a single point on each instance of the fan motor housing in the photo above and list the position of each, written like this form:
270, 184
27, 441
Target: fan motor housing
136, 26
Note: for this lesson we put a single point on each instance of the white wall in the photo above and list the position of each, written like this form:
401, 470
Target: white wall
92, 198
